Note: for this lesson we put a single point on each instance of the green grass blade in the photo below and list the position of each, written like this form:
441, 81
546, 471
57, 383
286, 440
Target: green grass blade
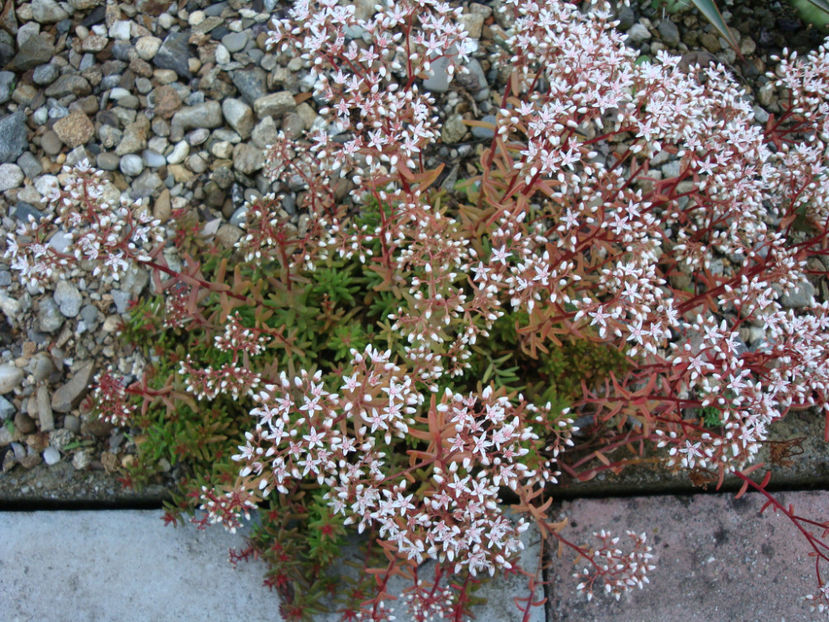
713, 15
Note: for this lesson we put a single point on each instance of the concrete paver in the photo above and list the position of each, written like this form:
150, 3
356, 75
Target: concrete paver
126, 565
716, 559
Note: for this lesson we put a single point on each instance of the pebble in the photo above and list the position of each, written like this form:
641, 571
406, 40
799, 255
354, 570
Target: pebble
239, 116
247, 158
47, 11
45, 74
7, 80
7, 409
274, 105
638, 33
235, 41
13, 139
222, 55
153, 159
206, 115
51, 456
668, 32
68, 299
179, 152
23, 423
34, 51
174, 53
10, 378
74, 129
67, 394
11, 176
120, 30
44, 410
49, 317
131, 164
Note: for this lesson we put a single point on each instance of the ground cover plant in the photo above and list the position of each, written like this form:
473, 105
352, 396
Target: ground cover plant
401, 360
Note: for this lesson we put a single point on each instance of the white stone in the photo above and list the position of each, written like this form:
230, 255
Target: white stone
179, 152
146, 47
120, 30
11, 176
10, 377
222, 55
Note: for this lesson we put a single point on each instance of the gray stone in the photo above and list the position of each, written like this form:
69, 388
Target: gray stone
235, 41
68, 299
250, 83
69, 84
69, 393
131, 164
49, 317
90, 316
274, 105
23, 210
44, 410
484, 132
668, 32
153, 159
264, 133
11, 176
121, 300
10, 377
247, 158
453, 130
30, 165
206, 115
47, 11
61, 242
23, 423
239, 116
7, 79
800, 297
13, 136
41, 366
107, 161
146, 184
51, 456
174, 54
438, 80
638, 33
6, 409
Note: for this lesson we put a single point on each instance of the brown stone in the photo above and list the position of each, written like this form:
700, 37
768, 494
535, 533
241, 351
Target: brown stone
74, 129
167, 101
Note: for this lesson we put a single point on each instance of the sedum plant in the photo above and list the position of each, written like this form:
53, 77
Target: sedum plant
402, 362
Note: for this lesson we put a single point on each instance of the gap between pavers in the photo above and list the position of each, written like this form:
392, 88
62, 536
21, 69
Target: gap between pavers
127, 565
717, 559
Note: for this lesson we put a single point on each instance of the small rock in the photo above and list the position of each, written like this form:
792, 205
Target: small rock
147, 46
131, 165
69, 84
473, 24
174, 53
800, 297
222, 55
120, 30
94, 44
235, 41
484, 132
710, 42
146, 184
239, 116
179, 152
668, 32
23, 423
50, 143
68, 299
49, 317
10, 377
13, 139
30, 165
264, 133
69, 393
75, 129
206, 115
45, 74
33, 51
47, 11
6, 408
638, 33
250, 83
247, 158
153, 159
81, 460
51, 456
44, 410
11, 176
274, 105
84, 5
7, 80
107, 161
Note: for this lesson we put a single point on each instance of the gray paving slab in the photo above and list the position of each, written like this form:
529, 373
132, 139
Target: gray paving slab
126, 565
717, 559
